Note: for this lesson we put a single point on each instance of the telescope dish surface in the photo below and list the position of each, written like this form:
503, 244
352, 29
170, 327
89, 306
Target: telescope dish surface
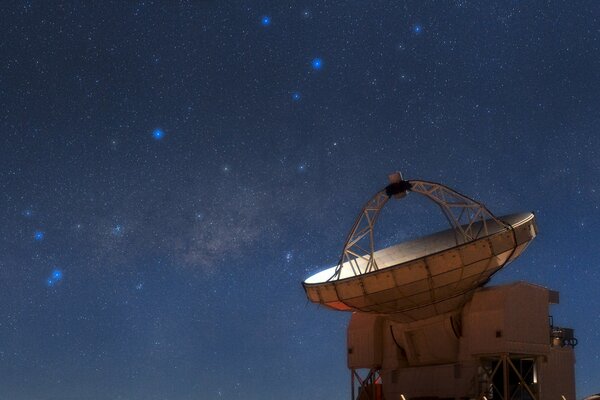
429, 276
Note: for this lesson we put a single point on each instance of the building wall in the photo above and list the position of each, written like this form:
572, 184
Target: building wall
557, 374
440, 356
506, 319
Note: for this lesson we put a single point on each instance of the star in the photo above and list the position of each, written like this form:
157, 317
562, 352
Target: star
55, 277
296, 96
38, 236
289, 255
317, 64
417, 29
158, 134
265, 20
118, 230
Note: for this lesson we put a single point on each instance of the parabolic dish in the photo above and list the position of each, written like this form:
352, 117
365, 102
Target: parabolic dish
429, 276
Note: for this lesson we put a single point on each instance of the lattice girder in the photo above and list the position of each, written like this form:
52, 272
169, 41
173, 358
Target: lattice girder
468, 218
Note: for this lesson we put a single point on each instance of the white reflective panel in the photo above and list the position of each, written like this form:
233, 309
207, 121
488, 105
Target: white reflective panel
425, 276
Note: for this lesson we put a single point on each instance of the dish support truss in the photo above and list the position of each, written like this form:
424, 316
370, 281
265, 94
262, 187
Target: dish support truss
468, 218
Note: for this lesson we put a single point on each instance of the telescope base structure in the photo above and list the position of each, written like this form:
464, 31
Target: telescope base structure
502, 345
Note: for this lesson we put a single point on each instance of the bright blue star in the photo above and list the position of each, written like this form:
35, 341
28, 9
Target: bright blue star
296, 96
55, 276
265, 20
158, 134
317, 64
417, 29
38, 236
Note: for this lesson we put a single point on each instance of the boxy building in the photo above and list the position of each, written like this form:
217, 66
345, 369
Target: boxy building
502, 345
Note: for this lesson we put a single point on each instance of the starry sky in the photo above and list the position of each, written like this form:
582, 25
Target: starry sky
171, 171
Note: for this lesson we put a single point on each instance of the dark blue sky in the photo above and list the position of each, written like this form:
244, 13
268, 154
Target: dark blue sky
171, 171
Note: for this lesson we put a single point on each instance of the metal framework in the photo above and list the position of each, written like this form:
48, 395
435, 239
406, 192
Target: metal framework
368, 388
468, 218
508, 377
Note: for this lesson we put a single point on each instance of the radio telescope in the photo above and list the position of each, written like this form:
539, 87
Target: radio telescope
428, 276
424, 325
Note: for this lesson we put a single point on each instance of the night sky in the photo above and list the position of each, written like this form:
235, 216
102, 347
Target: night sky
170, 172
